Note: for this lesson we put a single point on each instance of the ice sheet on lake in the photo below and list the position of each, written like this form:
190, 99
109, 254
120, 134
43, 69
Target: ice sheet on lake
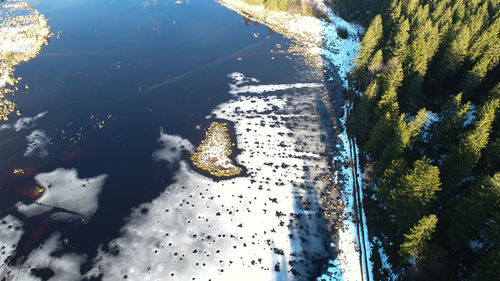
66, 195
267, 225
23, 123
171, 147
37, 144
10, 234
66, 267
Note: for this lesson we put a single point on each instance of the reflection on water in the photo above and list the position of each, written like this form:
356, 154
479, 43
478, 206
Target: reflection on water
23, 32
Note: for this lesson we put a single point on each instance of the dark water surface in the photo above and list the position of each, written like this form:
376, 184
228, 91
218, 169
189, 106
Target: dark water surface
137, 66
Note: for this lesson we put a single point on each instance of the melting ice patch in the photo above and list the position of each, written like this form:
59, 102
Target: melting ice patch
67, 196
66, 267
239, 79
23, 123
37, 144
171, 148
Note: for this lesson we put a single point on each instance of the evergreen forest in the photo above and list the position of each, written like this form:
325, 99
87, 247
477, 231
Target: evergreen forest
426, 98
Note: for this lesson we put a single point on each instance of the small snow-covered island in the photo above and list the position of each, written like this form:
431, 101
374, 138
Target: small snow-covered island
212, 155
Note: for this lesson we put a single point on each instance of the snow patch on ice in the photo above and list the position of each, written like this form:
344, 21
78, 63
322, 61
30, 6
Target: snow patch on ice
271, 88
171, 148
37, 144
66, 267
10, 234
475, 245
239, 78
68, 196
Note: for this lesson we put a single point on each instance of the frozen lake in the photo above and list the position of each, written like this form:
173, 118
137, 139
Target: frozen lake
106, 102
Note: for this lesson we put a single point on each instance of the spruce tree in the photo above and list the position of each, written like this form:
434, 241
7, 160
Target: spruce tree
451, 124
416, 191
370, 42
463, 157
476, 209
487, 62
418, 237
400, 41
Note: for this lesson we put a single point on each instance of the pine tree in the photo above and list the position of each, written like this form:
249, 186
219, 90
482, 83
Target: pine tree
487, 62
463, 157
488, 266
476, 209
409, 7
418, 237
392, 77
361, 116
370, 42
485, 38
451, 124
381, 133
456, 52
409, 130
416, 191
389, 181
376, 62
400, 41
